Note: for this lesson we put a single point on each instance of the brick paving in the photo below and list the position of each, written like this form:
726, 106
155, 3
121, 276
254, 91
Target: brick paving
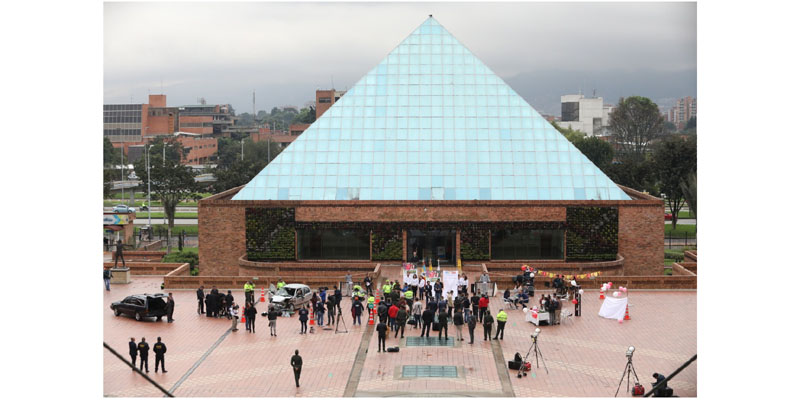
585, 357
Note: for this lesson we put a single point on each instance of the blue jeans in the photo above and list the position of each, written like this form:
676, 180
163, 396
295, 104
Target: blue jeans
107, 282
357, 318
320, 319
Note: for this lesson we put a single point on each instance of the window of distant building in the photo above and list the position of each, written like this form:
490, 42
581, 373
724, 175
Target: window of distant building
324, 99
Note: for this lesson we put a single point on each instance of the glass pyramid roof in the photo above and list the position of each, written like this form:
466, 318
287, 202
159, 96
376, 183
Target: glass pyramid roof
431, 122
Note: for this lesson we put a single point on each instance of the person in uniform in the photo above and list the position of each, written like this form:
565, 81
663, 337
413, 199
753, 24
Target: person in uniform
170, 307
502, 317
381, 328
132, 352
248, 292
200, 297
297, 366
159, 349
144, 349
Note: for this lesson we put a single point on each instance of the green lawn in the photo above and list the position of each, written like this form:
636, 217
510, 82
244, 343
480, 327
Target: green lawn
159, 215
189, 229
686, 215
154, 203
680, 231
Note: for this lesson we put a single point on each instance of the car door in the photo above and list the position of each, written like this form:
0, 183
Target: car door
127, 305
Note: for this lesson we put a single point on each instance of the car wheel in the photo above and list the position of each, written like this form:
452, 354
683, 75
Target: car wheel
138, 316
116, 312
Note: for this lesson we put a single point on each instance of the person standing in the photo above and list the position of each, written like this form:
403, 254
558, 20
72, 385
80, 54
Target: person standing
393, 317
381, 328
248, 292
297, 366
229, 301
250, 313
558, 307
331, 310
502, 317
272, 317
200, 297
132, 350
483, 306
118, 254
427, 320
471, 322
144, 350
234, 312
488, 320
368, 285
357, 309
107, 278
450, 304
400, 320
437, 288
383, 312
159, 349
458, 321
416, 310
475, 301
170, 308
303, 314
319, 309
348, 279
443, 324
551, 308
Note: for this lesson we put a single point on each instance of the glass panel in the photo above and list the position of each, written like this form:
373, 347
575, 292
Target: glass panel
333, 244
526, 244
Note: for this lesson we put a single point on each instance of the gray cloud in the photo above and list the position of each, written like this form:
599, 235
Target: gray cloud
284, 51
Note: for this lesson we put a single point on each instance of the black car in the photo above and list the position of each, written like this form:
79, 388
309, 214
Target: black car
142, 306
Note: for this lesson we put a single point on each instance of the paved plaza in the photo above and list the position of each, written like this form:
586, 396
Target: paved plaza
584, 356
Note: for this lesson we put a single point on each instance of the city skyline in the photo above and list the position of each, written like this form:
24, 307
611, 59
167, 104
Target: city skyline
284, 52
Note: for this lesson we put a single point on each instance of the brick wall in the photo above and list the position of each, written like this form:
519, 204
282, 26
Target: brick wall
641, 239
221, 238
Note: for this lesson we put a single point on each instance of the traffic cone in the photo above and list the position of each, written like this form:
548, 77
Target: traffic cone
627, 316
243, 316
312, 319
262, 296
602, 297
371, 318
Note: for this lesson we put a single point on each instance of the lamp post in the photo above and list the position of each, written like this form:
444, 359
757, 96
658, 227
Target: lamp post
122, 169
147, 159
242, 149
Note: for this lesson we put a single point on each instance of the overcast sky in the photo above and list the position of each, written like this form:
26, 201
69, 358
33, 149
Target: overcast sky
285, 51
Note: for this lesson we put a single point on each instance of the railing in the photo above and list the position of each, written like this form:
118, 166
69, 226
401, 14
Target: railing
672, 375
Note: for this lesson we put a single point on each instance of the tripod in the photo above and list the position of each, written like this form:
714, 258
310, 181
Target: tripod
627, 371
537, 354
340, 320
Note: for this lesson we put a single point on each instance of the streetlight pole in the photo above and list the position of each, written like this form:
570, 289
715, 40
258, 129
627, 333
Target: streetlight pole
147, 159
122, 169
242, 149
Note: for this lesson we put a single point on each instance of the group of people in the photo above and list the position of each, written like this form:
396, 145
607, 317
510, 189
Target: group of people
142, 349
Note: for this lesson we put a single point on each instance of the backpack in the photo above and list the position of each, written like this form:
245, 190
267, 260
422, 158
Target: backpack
517, 358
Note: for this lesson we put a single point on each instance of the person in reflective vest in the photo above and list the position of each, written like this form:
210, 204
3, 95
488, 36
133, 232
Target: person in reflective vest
502, 317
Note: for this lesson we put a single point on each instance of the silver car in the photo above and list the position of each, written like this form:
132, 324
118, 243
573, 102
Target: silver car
290, 297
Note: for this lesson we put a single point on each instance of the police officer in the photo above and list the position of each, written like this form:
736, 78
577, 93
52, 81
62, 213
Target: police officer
132, 352
144, 349
248, 292
297, 366
160, 348
381, 328
502, 317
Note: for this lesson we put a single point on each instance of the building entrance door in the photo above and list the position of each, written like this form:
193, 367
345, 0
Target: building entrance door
432, 245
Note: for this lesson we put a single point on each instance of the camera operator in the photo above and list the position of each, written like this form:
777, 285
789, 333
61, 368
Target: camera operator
663, 391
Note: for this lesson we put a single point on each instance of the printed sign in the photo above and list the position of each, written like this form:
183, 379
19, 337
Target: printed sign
116, 219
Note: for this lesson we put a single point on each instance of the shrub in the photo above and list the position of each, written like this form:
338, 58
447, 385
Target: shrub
676, 255
185, 256
194, 271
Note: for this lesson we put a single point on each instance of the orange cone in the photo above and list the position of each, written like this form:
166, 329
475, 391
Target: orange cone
371, 318
243, 316
602, 297
627, 316
262, 296
312, 320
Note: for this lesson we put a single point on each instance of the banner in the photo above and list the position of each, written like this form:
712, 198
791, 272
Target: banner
116, 219
590, 275
450, 281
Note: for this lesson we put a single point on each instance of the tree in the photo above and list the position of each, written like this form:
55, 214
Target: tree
110, 155
597, 150
571, 134
234, 171
669, 127
170, 181
690, 124
689, 189
674, 159
306, 116
634, 123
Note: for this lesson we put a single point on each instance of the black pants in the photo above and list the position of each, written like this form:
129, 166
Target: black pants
381, 342
426, 329
480, 316
133, 359
487, 332
118, 256
248, 297
471, 335
450, 311
169, 316
443, 327
160, 360
331, 316
297, 376
501, 326
200, 308
143, 363
401, 327
303, 326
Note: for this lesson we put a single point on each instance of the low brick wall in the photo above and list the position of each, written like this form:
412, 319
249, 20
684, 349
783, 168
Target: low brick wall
153, 246
504, 281
143, 255
148, 268
512, 268
338, 267
690, 255
686, 268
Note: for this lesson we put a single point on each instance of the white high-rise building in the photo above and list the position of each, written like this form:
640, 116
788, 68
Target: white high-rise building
586, 114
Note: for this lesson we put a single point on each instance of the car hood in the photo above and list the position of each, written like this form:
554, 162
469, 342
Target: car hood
278, 299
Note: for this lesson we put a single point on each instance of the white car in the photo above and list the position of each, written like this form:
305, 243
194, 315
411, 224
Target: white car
290, 297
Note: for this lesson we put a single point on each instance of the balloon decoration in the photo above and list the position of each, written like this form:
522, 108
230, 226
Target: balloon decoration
615, 294
580, 291
574, 301
619, 320
535, 308
525, 310
624, 289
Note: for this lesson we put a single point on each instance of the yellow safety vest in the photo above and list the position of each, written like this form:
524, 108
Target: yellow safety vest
502, 316
409, 295
281, 284
387, 288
